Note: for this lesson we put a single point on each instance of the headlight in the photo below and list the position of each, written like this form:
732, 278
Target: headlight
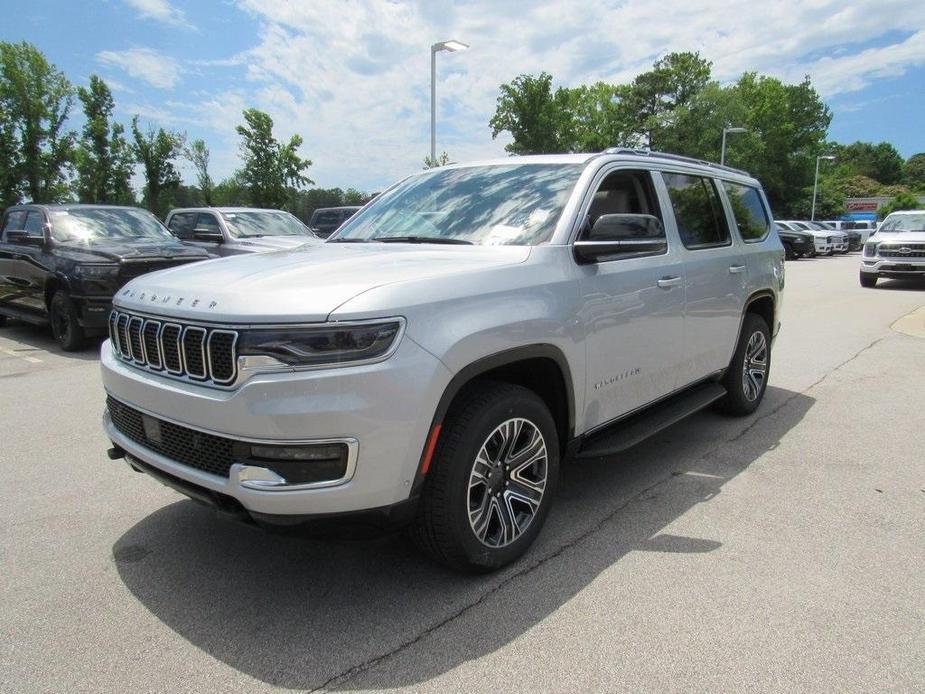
322, 345
870, 249
96, 271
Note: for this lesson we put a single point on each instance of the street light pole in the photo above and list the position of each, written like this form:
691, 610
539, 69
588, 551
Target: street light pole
722, 153
829, 157
451, 47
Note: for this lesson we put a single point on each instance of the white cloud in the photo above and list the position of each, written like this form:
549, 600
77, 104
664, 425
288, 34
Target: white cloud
353, 77
147, 64
160, 11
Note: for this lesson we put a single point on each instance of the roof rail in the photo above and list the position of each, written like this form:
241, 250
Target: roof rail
673, 157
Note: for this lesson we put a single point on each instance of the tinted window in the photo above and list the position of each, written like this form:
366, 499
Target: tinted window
748, 210
208, 223
34, 222
14, 220
182, 224
697, 210
328, 218
623, 192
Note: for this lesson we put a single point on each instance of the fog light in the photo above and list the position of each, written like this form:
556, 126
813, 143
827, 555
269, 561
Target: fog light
303, 464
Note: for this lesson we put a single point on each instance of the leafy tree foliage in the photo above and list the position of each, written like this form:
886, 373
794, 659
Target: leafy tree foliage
880, 161
156, 151
270, 168
198, 155
914, 171
105, 161
442, 160
537, 117
35, 100
903, 201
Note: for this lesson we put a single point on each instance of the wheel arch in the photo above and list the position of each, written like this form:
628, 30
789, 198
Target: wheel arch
52, 285
543, 368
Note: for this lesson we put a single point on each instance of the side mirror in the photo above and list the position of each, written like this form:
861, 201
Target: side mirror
621, 235
208, 236
24, 238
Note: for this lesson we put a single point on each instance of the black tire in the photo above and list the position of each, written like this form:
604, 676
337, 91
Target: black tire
442, 529
2, 321
65, 325
868, 280
788, 252
743, 392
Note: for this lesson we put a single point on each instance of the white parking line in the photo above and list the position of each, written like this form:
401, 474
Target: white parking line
31, 360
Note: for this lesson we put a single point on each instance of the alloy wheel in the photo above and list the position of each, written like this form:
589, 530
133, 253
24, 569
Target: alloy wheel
755, 368
507, 482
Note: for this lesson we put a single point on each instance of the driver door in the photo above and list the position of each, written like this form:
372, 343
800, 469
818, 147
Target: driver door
25, 265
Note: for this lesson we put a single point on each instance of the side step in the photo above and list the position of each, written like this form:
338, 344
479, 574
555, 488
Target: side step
24, 315
636, 428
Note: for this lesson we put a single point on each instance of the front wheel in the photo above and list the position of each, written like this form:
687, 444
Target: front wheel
868, 280
746, 378
65, 325
491, 481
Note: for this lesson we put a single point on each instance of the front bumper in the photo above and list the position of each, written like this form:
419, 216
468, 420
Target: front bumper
822, 246
385, 407
893, 267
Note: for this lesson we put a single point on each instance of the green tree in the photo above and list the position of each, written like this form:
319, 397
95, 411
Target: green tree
442, 160
597, 118
10, 163
36, 99
880, 161
230, 192
903, 201
105, 162
537, 118
156, 151
856, 186
198, 155
270, 168
914, 171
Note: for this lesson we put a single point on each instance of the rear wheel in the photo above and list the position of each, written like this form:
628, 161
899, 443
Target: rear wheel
746, 378
65, 325
788, 252
2, 321
868, 280
491, 481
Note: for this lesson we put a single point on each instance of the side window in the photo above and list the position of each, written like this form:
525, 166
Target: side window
34, 222
748, 210
622, 192
15, 221
697, 211
331, 218
181, 225
207, 222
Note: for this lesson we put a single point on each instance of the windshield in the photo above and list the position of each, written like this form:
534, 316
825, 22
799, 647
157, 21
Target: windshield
517, 204
250, 223
903, 222
116, 224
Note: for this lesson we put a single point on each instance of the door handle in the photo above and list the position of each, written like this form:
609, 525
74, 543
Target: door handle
736, 269
669, 282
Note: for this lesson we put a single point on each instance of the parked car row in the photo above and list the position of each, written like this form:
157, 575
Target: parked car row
61, 264
802, 238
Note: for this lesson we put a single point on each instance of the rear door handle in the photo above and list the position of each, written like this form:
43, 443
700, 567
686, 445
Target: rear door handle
669, 282
736, 269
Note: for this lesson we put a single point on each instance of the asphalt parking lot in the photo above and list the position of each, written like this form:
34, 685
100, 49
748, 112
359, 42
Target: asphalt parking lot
785, 551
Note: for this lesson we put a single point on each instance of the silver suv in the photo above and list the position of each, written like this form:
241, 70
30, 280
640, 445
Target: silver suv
434, 361
236, 230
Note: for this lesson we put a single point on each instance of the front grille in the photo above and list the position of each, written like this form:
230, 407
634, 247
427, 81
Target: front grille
206, 452
914, 250
132, 269
202, 354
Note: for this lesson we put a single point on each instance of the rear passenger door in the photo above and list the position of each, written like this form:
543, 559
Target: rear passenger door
716, 274
631, 308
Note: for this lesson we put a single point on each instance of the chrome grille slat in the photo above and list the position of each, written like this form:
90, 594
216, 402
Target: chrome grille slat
180, 350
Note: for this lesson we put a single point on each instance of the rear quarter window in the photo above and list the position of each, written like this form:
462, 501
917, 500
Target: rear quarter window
751, 217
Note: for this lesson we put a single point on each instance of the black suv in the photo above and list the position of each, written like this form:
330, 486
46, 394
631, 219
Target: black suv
326, 220
61, 264
797, 244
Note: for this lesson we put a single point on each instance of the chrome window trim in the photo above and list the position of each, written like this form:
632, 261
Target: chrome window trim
234, 358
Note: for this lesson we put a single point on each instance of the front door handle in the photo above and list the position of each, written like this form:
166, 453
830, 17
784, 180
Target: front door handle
736, 269
669, 282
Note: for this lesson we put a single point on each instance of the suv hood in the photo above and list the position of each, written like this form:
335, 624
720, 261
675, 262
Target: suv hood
258, 244
304, 285
107, 250
898, 237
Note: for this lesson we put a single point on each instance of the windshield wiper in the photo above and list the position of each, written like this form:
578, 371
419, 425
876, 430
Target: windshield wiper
421, 239
347, 240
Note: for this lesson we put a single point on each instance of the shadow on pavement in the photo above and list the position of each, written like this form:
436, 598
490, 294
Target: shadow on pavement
303, 614
34, 338
901, 284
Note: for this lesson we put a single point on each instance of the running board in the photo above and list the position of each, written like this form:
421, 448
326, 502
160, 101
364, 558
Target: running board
23, 315
636, 428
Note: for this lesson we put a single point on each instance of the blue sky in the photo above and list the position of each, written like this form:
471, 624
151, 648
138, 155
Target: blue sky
352, 76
